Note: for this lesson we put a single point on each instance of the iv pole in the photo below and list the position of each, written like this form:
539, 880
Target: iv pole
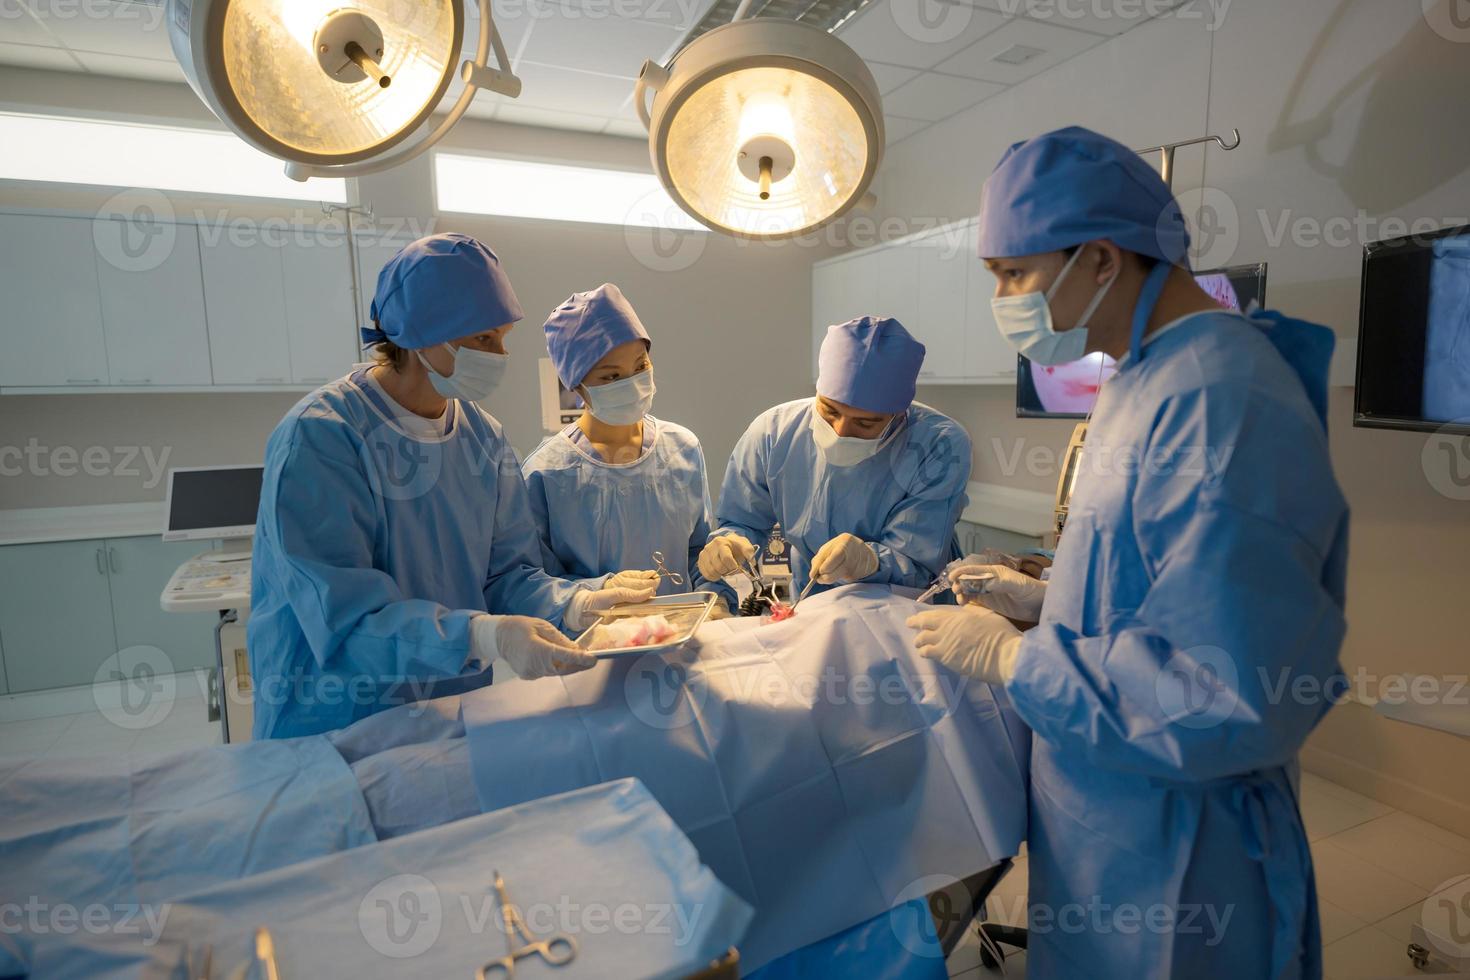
1167, 170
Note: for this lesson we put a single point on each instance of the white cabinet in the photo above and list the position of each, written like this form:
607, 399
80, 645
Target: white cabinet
50, 316
935, 287
372, 255
319, 319
247, 315
153, 309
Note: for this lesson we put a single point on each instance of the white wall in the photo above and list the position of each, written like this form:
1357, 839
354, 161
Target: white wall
729, 319
1342, 106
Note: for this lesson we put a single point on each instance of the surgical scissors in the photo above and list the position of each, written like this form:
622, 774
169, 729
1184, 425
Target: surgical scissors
967, 584
664, 571
558, 950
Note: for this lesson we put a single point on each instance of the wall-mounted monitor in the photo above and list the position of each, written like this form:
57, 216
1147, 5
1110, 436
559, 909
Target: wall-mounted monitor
1414, 334
1068, 391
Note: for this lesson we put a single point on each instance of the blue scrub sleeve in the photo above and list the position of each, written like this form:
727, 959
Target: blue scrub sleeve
918, 537
1243, 603
700, 536
517, 584
323, 514
541, 511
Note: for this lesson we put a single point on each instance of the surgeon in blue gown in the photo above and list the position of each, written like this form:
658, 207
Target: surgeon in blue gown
1188, 638
395, 553
617, 485
866, 483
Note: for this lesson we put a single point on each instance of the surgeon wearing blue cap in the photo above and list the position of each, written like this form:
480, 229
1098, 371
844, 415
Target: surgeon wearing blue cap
395, 553
866, 483
618, 485
1198, 586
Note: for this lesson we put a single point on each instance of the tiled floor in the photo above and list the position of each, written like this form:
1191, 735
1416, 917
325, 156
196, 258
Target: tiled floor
1376, 866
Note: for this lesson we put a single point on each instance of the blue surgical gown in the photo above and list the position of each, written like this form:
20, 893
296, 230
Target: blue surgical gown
1200, 578
904, 500
596, 517
374, 549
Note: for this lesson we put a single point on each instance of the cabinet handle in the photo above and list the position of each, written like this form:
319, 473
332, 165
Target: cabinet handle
270, 381
101, 568
84, 381
135, 381
112, 560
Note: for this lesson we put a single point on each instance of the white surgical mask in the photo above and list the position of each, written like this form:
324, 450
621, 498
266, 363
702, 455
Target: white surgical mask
1026, 322
621, 402
476, 373
842, 450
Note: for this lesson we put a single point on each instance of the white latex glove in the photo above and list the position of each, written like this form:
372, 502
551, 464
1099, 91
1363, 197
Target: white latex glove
846, 558
633, 579
1009, 592
725, 555
720, 610
968, 640
582, 611
532, 647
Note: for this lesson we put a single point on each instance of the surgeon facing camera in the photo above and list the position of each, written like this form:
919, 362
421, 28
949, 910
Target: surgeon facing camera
396, 556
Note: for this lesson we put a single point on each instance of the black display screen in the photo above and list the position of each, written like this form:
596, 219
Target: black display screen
203, 499
1414, 334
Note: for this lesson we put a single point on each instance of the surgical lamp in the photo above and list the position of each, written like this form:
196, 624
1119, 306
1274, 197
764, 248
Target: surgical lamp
334, 87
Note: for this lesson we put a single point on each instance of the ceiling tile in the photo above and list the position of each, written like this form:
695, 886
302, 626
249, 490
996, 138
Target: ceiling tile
1105, 17
1056, 44
896, 128
933, 97
916, 33
512, 20
548, 118
566, 90
890, 77
22, 28
563, 34
120, 66
136, 30
36, 56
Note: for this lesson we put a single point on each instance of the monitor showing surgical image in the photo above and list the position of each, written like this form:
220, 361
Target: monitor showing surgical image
1414, 333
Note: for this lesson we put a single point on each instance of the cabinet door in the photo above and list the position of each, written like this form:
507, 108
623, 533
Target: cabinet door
153, 310
897, 271
51, 326
989, 357
243, 283
841, 291
319, 318
140, 568
55, 613
372, 255
942, 287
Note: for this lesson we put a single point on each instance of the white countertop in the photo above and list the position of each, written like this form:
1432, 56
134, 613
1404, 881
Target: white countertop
1028, 512
38, 524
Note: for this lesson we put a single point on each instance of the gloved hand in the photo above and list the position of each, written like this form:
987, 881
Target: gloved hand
1009, 592
532, 647
720, 610
725, 555
846, 558
582, 611
968, 640
633, 579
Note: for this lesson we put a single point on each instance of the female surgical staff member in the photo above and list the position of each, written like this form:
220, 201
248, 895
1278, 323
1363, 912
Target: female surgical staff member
866, 483
395, 557
618, 484
1199, 583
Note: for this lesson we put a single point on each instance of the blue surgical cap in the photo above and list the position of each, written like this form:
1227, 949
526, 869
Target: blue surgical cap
1072, 186
871, 363
439, 289
582, 330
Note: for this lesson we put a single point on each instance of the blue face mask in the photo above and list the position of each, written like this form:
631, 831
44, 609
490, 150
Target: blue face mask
1026, 322
476, 373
